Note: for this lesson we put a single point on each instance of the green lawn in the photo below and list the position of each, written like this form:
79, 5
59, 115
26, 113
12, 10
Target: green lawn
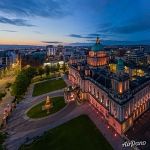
48, 86
77, 134
37, 112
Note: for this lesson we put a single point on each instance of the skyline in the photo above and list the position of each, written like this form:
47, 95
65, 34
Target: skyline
38, 22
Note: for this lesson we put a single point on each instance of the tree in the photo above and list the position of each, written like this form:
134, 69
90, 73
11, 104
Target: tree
64, 67
0, 74
2, 95
22, 81
20, 85
40, 71
55, 69
58, 66
47, 70
30, 72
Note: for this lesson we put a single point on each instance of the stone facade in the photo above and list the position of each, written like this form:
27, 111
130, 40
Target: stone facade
120, 116
112, 94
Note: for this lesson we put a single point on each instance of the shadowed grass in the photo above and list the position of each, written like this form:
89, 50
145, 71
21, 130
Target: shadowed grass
77, 134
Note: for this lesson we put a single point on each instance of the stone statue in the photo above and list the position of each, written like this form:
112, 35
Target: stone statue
48, 104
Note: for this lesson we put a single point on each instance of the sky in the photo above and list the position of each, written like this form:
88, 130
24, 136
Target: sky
43, 22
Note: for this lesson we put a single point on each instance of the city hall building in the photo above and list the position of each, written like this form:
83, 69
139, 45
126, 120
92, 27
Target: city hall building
120, 97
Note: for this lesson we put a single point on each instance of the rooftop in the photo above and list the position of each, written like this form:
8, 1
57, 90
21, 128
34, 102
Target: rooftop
98, 46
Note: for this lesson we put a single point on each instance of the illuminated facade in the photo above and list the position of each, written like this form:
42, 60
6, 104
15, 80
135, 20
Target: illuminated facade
112, 93
132, 71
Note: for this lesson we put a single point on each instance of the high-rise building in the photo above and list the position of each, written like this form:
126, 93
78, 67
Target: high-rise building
51, 50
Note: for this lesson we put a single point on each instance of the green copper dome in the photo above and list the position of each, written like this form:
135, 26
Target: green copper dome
120, 65
97, 47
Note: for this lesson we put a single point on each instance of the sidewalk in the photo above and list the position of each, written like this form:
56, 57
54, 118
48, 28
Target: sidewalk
113, 138
66, 80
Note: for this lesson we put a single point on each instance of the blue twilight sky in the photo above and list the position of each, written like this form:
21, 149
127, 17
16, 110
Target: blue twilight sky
43, 22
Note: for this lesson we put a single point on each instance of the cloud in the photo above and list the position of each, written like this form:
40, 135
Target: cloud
134, 25
17, 22
51, 42
42, 8
86, 36
91, 36
8, 31
75, 35
141, 26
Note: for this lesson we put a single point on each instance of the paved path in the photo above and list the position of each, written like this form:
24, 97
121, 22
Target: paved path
66, 80
20, 128
140, 131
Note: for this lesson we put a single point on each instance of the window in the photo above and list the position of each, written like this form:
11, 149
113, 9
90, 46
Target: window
94, 91
102, 97
97, 94
101, 100
107, 103
89, 88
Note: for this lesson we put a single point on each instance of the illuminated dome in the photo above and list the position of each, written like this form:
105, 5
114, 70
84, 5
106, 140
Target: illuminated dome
97, 47
97, 55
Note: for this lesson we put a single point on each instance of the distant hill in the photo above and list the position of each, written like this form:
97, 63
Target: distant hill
111, 42
19, 46
89, 43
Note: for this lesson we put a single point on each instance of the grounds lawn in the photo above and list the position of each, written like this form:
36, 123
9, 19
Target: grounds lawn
37, 112
77, 134
48, 86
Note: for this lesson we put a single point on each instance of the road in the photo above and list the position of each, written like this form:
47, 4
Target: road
8, 98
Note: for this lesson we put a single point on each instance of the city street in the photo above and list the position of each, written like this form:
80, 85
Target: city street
8, 98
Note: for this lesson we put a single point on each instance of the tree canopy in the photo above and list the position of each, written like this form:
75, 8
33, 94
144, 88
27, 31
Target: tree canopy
22, 81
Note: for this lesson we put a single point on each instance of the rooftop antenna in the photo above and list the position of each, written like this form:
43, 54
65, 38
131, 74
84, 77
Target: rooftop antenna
97, 40
140, 48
